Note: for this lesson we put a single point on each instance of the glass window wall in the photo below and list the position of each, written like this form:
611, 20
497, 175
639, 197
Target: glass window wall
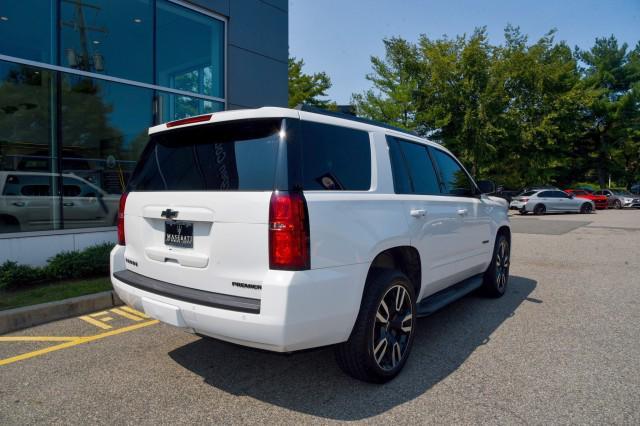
190, 50
27, 29
69, 142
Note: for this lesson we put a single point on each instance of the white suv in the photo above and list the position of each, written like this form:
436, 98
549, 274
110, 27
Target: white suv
287, 229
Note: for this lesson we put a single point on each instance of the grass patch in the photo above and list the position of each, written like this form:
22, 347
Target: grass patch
50, 292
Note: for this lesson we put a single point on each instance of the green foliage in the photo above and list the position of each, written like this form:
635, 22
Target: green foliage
90, 262
394, 80
521, 113
307, 88
13, 275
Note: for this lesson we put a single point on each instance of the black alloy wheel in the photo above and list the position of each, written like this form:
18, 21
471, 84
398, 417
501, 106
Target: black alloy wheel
539, 209
382, 336
392, 328
586, 208
497, 275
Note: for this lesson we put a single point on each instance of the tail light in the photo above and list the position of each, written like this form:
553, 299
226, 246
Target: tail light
123, 201
288, 232
524, 200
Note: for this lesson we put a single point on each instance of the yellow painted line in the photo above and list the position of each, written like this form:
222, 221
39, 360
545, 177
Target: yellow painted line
96, 322
105, 319
78, 341
37, 339
97, 314
133, 311
126, 315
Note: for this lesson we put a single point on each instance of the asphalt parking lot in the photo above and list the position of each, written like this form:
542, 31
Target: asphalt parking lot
562, 346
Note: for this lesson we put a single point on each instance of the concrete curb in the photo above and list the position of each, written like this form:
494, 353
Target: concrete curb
28, 316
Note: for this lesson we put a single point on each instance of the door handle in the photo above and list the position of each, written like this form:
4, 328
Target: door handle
18, 203
68, 204
462, 212
418, 212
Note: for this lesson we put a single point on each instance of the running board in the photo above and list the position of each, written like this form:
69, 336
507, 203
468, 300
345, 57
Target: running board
442, 298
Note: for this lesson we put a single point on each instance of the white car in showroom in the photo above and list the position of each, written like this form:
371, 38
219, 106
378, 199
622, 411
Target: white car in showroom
286, 229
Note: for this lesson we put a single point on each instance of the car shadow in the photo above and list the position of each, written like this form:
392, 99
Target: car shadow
310, 381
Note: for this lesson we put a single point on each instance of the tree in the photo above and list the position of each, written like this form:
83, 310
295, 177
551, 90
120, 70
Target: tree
395, 81
612, 73
307, 88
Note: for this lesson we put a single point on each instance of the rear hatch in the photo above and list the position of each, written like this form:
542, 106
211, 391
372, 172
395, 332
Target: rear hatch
197, 212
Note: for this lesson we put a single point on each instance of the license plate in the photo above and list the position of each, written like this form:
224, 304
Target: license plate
178, 234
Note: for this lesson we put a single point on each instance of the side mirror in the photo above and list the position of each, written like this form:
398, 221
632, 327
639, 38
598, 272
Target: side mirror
486, 186
572, 195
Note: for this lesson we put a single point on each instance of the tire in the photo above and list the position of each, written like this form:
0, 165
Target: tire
617, 204
376, 352
496, 276
523, 211
586, 208
539, 209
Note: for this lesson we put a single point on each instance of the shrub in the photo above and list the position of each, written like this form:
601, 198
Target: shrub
13, 275
90, 262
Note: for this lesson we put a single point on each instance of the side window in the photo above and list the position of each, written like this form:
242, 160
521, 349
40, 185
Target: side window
455, 180
545, 194
401, 179
335, 158
561, 194
422, 176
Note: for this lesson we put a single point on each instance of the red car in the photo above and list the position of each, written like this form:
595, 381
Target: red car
600, 201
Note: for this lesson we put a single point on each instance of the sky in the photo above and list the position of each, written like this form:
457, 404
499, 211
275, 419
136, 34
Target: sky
340, 36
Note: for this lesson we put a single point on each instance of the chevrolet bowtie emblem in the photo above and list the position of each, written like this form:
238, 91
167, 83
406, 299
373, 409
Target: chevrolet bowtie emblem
169, 214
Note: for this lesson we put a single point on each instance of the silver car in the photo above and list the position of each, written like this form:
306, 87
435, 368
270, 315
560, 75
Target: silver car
28, 202
619, 198
550, 201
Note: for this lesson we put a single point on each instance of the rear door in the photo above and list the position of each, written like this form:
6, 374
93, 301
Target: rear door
198, 207
434, 225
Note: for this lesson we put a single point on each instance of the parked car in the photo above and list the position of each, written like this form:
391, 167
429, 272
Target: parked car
286, 229
27, 202
550, 201
619, 198
601, 202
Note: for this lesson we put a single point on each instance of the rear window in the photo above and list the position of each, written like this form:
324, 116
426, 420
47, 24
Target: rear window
335, 158
228, 156
527, 194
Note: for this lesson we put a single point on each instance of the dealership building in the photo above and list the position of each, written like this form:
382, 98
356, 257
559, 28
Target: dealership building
82, 80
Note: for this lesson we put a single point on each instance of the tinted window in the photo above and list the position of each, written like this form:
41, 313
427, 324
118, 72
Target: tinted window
560, 194
237, 155
335, 158
423, 178
401, 181
527, 194
546, 194
455, 180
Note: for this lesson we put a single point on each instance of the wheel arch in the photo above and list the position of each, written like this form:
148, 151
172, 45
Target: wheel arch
403, 258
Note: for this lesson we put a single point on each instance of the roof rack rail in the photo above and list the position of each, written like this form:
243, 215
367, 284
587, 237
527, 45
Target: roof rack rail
316, 110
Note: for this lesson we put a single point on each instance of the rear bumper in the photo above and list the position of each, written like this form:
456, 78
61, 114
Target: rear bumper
297, 310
